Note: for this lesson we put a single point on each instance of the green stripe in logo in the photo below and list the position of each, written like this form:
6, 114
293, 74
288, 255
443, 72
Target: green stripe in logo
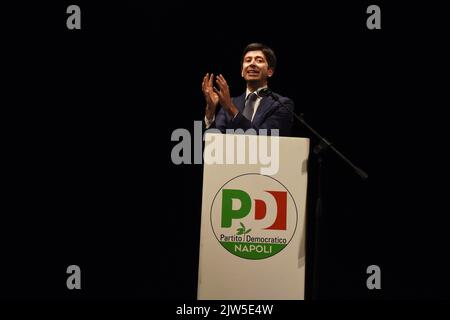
250, 250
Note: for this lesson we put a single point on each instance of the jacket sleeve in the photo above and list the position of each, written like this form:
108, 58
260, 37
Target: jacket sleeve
223, 120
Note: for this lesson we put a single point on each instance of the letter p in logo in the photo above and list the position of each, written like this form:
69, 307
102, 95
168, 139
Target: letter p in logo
228, 214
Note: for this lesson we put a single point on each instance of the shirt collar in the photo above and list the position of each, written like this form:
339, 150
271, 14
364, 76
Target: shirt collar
248, 92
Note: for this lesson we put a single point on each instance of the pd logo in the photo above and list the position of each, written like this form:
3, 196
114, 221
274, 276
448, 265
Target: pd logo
254, 216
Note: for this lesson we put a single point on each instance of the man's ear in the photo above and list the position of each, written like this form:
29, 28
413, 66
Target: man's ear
242, 72
270, 72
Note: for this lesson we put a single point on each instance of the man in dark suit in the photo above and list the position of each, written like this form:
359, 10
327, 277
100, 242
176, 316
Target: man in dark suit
251, 110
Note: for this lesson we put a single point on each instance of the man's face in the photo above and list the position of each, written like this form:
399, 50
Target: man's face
255, 67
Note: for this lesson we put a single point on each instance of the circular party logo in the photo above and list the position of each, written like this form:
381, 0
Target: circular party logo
254, 216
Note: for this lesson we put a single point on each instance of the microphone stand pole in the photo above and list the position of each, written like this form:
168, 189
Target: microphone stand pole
322, 146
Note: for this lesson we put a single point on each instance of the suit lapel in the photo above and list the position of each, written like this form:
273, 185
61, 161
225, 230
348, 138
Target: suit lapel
263, 107
240, 102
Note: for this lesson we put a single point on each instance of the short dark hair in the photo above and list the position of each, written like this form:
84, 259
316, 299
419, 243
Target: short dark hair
268, 53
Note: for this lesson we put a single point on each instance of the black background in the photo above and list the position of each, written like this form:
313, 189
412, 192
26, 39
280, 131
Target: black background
88, 117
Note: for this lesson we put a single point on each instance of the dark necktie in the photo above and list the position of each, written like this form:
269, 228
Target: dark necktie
250, 106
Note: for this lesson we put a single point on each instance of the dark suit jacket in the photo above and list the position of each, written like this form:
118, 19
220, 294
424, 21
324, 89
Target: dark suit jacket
269, 115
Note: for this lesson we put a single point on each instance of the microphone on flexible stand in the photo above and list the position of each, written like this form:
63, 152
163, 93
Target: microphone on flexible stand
323, 143
264, 92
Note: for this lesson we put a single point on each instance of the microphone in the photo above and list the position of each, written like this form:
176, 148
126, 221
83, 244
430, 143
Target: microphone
264, 92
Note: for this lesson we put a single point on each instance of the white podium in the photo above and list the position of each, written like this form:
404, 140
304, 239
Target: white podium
252, 241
